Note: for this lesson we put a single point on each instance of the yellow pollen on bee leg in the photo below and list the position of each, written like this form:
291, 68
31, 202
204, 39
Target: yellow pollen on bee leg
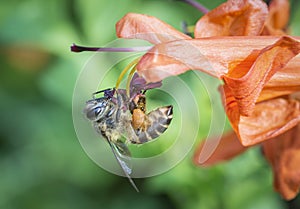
138, 118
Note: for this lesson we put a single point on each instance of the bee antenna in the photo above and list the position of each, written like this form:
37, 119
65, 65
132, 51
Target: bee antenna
107, 92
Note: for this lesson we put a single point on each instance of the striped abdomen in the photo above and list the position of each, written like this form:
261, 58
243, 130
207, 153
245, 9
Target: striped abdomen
156, 122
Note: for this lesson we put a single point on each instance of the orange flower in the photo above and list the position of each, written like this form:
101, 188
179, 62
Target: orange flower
233, 18
278, 18
260, 73
283, 153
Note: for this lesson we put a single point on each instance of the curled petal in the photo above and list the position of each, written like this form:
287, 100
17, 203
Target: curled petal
272, 92
233, 18
228, 147
269, 118
283, 153
213, 56
278, 18
138, 26
246, 80
284, 82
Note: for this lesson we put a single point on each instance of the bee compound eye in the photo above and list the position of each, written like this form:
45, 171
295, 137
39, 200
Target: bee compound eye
94, 108
93, 113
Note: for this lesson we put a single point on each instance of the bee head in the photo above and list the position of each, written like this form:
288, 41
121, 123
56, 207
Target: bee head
95, 109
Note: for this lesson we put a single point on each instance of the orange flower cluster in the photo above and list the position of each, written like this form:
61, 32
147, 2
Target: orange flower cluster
244, 43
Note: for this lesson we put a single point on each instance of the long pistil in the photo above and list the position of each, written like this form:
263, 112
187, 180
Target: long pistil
77, 48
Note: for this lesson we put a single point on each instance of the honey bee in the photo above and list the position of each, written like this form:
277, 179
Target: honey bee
117, 117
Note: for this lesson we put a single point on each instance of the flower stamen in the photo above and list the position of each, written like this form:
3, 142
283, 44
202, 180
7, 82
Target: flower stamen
133, 70
126, 69
77, 48
197, 5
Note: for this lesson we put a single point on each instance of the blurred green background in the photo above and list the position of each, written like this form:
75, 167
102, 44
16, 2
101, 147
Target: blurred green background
42, 164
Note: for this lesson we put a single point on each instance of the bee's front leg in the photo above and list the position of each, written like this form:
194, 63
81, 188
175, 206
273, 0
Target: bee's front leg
122, 99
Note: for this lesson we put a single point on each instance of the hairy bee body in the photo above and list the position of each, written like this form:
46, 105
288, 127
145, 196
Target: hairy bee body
108, 120
112, 121
154, 123
117, 117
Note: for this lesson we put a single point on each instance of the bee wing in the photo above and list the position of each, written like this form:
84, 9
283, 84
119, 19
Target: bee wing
122, 149
122, 155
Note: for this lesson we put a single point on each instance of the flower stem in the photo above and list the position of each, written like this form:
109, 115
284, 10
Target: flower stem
197, 5
76, 48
